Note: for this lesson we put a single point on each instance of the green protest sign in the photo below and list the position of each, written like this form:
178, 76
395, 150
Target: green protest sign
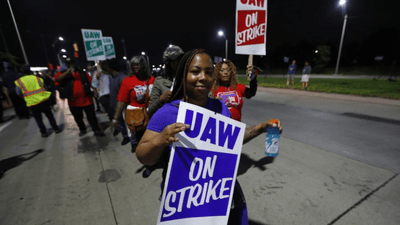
93, 41
109, 47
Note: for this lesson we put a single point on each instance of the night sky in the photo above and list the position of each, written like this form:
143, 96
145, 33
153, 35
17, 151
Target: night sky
150, 26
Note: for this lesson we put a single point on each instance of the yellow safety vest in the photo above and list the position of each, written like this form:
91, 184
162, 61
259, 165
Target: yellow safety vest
33, 90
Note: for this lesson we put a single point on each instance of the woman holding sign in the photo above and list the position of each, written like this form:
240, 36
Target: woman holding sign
225, 87
192, 85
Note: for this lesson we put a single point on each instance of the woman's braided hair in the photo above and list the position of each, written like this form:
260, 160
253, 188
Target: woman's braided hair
179, 90
217, 79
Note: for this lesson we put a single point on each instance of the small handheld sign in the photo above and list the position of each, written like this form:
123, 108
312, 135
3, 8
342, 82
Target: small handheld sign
93, 42
109, 47
202, 169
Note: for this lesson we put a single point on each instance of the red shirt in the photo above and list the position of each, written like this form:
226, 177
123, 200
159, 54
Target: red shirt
233, 99
80, 98
133, 91
55, 78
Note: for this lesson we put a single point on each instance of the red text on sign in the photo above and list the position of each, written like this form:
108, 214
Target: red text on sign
259, 3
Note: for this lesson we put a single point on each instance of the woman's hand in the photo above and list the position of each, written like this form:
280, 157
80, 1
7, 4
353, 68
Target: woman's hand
152, 144
249, 68
254, 131
165, 97
167, 136
272, 123
113, 125
249, 71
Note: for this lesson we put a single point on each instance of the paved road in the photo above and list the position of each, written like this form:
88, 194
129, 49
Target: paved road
338, 164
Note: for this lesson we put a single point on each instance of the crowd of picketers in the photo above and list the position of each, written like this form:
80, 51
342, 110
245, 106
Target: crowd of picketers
190, 77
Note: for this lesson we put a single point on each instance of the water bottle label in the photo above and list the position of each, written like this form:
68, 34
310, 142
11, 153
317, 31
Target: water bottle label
273, 146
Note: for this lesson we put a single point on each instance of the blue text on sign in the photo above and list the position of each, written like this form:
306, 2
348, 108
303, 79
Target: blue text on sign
225, 133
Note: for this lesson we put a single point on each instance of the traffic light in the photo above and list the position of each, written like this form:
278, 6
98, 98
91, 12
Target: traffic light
76, 50
76, 47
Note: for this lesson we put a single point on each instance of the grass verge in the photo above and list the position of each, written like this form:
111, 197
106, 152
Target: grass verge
360, 87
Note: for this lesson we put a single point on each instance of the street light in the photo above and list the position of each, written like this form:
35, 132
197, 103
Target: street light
342, 3
53, 45
124, 57
64, 56
170, 46
63, 50
316, 51
221, 33
143, 53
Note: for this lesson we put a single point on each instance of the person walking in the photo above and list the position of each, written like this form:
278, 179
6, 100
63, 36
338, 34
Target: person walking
3, 98
9, 77
162, 87
91, 71
114, 69
306, 74
193, 84
76, 85
291, 72
33, 90
132, 93
101, 84
225, 87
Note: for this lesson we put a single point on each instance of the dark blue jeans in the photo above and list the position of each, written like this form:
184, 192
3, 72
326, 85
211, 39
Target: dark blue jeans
37, 111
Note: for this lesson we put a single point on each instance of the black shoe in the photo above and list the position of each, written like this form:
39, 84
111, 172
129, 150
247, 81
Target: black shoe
146, 173
116, 132
57, 131
133, 149
83, 132
99, 133
125, 141
45, 135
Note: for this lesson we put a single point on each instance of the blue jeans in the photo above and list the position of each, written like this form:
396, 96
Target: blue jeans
135, 138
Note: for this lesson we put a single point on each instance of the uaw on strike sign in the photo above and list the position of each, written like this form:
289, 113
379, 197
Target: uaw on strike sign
202, 169
251, 27
93, 41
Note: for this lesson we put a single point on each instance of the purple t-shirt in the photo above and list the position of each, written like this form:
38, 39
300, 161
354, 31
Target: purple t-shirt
167, 114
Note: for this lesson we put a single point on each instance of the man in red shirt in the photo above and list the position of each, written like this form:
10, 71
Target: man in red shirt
77, 87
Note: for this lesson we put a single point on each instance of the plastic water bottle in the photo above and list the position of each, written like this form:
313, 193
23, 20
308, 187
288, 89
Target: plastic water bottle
272, 140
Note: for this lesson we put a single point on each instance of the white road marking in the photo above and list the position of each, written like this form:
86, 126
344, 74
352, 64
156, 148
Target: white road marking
5, 125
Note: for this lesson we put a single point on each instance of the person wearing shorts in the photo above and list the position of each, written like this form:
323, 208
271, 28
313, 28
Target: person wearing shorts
306, 74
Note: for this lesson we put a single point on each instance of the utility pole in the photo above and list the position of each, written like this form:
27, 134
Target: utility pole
19, 37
